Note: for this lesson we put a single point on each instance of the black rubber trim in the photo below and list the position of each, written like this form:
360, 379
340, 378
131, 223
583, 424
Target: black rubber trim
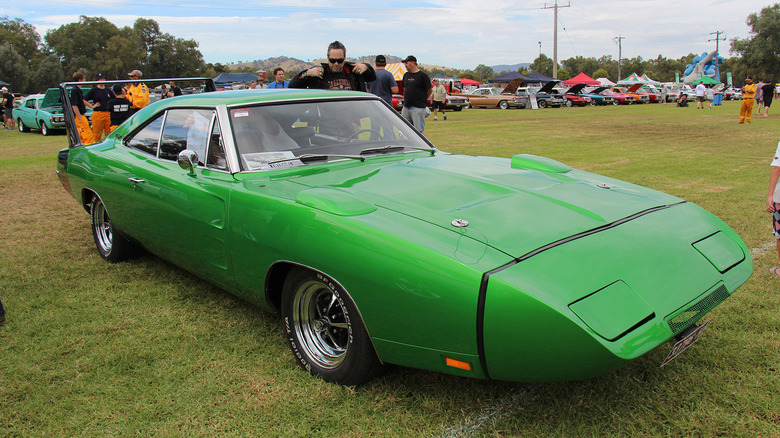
486, 276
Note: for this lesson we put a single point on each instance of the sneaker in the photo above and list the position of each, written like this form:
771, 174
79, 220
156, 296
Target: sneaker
435, 118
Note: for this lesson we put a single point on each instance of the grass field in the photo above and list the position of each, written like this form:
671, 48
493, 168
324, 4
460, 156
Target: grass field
145, 349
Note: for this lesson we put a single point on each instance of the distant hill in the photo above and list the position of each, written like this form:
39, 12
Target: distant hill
296, 65
513, 67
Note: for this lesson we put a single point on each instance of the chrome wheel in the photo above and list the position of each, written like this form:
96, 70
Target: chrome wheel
101, 225
322, 325
44, 129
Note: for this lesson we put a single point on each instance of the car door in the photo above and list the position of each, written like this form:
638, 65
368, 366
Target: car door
181, 215
479, 97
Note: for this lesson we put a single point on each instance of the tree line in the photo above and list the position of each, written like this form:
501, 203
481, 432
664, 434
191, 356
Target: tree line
94, 45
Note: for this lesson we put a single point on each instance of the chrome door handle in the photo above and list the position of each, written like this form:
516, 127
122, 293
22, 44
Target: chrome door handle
136, 180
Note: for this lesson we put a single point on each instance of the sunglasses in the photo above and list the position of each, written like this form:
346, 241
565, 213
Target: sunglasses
336, 61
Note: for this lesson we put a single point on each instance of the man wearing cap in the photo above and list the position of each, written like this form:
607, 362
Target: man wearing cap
80, 110
138, 94
384, 86
748, 97
7, 101
99, 95
417, 90
337, 74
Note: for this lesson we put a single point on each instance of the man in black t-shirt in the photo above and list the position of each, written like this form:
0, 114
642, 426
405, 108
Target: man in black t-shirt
99, 95
336, 74
417, 89
173, 90
80, 110
8, 108
118, 107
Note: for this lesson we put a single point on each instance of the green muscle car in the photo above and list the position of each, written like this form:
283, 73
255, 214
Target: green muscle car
376, 248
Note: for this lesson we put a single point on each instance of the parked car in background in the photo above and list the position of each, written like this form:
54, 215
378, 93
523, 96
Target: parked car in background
489, 98
617, 98
632, 91
655, 95
596, 98
42, 111
546, 96
574, 96
456, 102
327, 208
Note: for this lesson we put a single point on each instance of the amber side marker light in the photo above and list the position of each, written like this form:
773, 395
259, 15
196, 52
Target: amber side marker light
458, 364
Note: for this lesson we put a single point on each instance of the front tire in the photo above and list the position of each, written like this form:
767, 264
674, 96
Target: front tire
569, 103
45, 129
21, 126
503, 104
542, 104
325, 331
111, 246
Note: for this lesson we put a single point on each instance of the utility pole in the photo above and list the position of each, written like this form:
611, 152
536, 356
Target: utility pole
555, 7
717, 51
619, 41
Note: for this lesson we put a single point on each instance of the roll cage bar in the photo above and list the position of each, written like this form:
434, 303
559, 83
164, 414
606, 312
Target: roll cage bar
67, 112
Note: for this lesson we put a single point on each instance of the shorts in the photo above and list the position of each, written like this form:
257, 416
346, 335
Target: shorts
768, 101
700, 98
438, 105
415, 116
9, 113
776, 223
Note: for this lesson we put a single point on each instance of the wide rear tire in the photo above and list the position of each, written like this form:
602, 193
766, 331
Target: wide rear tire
325, 331
111, 245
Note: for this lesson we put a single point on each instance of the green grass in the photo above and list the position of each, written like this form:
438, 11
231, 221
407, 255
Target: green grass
143, 348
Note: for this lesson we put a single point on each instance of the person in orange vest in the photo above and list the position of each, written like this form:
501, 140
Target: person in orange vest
80, 110
137, 93
748, 97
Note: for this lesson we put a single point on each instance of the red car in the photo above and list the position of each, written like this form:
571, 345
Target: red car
574, 97
618, 98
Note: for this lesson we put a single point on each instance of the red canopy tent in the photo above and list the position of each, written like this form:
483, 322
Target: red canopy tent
467, 81
581, 78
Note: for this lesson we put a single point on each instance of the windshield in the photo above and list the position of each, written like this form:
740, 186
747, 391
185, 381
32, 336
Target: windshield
272, 136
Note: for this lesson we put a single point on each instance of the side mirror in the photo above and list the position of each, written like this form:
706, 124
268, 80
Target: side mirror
188, 160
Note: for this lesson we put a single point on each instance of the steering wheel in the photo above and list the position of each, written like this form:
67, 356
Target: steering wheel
360, 131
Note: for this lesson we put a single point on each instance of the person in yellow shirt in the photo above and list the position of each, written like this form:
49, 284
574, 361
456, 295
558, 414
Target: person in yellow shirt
748, 97
138, 93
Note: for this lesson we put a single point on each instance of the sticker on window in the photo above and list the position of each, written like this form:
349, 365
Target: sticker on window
240, 113
270, 160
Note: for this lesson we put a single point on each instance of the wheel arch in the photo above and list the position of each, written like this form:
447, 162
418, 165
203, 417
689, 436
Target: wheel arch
86, 197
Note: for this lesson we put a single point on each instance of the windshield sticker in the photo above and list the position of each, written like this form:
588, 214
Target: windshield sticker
270, 160
240, 113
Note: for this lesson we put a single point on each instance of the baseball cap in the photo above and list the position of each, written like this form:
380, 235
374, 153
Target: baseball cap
410, 58
380, 60
136, 73
3, 89
99, 76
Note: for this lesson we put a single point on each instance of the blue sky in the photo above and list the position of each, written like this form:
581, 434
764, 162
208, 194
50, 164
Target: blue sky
453, 33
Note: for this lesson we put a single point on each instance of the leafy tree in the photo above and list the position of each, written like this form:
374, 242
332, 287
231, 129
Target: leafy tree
761, 52
482, 73
563, 74
22, 36
468, 74
122, 54
543, 65
49, 74
13, 68
579, 64
600, 73
79, 44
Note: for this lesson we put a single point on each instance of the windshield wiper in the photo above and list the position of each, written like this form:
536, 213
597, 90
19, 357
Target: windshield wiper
305, 158
394, 148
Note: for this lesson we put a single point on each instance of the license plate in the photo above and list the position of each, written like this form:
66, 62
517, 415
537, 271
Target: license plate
686, 342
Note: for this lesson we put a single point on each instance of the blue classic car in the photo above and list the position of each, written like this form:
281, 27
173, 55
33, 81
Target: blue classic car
42, 111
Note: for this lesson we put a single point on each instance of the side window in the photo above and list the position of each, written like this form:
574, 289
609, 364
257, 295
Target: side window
147, 139
185, 129
30, 104
216, 154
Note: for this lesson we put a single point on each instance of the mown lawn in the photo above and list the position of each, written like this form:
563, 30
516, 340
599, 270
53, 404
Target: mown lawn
145, 349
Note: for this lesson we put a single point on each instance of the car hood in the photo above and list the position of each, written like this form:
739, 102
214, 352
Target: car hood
52, 99
514, 206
